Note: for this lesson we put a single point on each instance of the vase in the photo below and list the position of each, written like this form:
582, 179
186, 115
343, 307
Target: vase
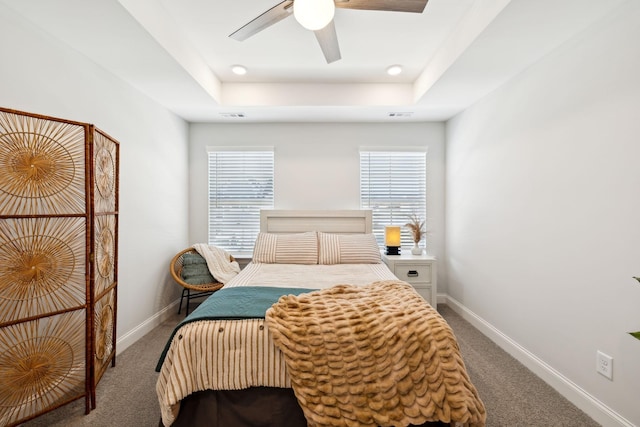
416, 250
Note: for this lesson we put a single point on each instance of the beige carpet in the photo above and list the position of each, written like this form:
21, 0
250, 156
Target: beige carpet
513, 396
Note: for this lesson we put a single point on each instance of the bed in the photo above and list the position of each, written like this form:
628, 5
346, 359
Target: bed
315, 331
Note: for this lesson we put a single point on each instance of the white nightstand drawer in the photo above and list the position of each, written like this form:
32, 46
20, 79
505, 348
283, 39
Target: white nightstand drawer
413, 273
417, 270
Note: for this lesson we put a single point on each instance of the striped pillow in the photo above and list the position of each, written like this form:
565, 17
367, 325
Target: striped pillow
299, 248
348, 249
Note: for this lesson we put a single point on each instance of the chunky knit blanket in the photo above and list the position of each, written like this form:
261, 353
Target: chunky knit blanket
219, 262
377, 355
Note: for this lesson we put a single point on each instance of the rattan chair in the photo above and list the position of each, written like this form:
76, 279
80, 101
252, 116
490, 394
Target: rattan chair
190, 291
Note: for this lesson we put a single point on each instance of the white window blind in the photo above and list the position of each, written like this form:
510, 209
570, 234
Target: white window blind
240, 185
393, 184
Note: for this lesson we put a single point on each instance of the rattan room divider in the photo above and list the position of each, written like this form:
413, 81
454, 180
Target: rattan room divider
58, 262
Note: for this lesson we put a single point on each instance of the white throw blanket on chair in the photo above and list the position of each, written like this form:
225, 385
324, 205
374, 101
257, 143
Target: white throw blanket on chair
218, 261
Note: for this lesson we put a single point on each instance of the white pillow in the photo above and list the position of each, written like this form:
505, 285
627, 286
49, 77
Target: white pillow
299, 248
348, 249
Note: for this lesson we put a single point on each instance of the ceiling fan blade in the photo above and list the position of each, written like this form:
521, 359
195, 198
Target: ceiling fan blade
328, 40
268, 18
415, 6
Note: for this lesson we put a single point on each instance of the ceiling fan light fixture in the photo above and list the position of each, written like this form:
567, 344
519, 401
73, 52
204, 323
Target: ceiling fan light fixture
314, 14
239, 70
394, 70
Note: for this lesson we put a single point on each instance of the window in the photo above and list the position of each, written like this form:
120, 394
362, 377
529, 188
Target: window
240, 185
393, 185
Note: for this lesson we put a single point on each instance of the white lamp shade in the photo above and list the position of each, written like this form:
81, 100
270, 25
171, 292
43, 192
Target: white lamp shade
392, 236
314, 14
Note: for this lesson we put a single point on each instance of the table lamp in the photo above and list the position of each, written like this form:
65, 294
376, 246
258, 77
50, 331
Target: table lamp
392, 239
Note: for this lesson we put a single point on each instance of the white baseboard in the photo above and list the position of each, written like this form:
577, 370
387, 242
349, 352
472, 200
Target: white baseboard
597, 410
145, 327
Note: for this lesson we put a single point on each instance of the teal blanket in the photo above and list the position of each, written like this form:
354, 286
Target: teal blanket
243, 302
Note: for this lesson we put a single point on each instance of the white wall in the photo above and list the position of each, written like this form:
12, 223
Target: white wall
317, 165
542, 191
40, 75
543, 208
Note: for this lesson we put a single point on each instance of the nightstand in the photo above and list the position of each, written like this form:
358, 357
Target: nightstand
417, 270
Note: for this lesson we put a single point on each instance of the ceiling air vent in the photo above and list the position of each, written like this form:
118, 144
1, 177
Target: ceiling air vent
232, 115
401, 114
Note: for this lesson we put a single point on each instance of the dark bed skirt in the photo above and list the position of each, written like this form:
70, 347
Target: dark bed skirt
253, 407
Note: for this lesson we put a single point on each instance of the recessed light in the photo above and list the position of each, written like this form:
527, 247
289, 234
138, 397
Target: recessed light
239, 70
394, 70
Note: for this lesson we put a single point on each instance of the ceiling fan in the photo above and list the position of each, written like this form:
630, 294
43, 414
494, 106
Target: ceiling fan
317, 16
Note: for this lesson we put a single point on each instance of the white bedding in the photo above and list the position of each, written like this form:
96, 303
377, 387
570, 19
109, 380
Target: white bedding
316, 276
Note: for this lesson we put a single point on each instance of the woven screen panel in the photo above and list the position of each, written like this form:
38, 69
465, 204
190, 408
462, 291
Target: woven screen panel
105, 164
105, 238
43, 266
42, 163
104, 333
42, 365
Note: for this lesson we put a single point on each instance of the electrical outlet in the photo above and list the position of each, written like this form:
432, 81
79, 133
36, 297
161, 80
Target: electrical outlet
604, 364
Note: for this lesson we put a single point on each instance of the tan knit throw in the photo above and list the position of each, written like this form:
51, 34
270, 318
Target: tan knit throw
377, 355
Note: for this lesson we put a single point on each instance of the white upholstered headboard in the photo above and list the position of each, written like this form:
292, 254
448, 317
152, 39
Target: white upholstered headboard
298, 221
